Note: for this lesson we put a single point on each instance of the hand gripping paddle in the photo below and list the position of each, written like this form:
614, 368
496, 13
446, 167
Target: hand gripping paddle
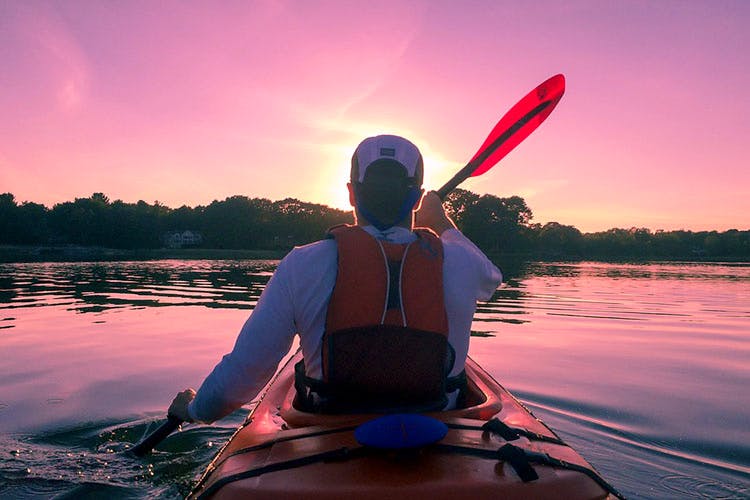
520, 121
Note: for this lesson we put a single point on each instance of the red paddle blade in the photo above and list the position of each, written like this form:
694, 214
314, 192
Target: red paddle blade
520, 121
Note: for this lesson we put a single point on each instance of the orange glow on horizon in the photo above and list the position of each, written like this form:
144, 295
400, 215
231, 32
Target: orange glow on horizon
191, 104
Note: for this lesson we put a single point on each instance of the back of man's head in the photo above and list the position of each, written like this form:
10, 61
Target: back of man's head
387, 173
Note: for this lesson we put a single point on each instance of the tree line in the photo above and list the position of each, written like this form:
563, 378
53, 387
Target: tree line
504, 225
238, 222
497, 225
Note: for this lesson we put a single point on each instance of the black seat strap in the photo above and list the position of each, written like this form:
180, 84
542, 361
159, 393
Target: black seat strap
508, 433
521, 459
457, 383
500, 428
517, 459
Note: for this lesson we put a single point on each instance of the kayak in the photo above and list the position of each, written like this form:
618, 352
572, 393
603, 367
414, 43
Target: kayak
493, 447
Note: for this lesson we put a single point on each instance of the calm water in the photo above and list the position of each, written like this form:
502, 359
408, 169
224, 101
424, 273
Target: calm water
644, 369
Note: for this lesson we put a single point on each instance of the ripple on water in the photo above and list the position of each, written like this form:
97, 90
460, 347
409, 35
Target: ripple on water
665, 346
91, 460
704, 488
674, 466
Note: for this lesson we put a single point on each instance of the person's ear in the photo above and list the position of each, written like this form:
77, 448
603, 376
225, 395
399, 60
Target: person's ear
352, 200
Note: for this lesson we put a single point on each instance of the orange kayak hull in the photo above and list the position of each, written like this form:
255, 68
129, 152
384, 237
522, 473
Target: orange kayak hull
281, 452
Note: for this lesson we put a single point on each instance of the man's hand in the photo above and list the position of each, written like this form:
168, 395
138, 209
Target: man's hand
431, 214
179, 407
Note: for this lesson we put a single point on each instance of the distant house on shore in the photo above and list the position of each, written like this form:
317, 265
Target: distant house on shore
181, 239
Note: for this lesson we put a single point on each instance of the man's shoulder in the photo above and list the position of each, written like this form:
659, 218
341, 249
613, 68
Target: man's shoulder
305, 267
456, 241
457, 248
318, 250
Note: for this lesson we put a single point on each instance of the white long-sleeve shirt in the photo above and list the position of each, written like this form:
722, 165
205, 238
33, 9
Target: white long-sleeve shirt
295, 301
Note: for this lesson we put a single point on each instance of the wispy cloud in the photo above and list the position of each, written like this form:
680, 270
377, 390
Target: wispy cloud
54, 60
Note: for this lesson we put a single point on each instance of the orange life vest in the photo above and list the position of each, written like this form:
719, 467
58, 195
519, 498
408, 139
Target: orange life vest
385, 346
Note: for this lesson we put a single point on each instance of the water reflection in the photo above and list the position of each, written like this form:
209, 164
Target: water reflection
644, 364
615, 291
97, 287
729, 271
641, 367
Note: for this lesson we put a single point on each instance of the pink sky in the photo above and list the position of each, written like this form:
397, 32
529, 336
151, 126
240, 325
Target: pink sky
187, 102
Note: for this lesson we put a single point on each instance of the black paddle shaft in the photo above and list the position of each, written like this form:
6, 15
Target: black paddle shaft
156, 437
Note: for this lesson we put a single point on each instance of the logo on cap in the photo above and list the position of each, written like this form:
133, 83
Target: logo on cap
388, 152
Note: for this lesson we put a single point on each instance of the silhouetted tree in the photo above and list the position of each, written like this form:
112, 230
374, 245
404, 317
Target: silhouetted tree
8, 219
457, 202
236, 222
497, 225
494, 224
555, 238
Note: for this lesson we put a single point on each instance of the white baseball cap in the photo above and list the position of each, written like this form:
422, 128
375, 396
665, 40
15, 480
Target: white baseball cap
391, 148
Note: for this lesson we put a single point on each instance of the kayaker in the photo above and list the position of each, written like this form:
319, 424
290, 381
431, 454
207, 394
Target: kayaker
358, 298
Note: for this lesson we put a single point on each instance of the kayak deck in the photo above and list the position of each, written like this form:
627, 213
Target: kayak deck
282, 452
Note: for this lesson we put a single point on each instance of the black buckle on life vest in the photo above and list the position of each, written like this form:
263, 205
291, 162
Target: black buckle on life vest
305, 387
456, 383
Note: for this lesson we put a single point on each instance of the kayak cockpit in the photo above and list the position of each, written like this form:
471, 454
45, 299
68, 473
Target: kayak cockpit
493, 448
478, 401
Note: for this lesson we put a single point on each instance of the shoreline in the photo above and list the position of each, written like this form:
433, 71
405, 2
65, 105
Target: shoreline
20, 254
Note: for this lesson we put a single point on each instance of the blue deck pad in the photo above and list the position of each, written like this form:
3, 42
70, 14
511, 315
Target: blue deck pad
399, 431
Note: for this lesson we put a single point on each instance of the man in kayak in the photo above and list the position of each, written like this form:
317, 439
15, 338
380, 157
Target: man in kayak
383, 311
